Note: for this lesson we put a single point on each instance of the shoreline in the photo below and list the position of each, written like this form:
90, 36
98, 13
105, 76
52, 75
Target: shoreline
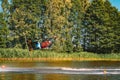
53, 59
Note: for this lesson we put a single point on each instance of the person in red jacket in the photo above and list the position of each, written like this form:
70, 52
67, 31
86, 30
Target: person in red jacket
45, 44
48, 43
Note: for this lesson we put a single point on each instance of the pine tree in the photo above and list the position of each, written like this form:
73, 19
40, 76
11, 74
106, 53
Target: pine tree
24, 16
57, 24
4, 32
75, 18
117, 33
99, 27
112, 25
91, 25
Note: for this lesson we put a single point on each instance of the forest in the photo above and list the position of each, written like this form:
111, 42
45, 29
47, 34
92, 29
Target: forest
80, 25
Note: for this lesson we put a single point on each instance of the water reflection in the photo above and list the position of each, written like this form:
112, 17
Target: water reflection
2, 76
13, 76
56, 77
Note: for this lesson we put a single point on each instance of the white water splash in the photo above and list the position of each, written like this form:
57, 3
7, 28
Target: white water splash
62, 70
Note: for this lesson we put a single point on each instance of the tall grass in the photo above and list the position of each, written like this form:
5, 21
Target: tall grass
12, 53
24, 53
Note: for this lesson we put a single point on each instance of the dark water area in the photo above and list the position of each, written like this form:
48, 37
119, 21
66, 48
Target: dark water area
60, 70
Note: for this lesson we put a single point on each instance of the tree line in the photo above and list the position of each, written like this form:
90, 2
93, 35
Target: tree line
80, 25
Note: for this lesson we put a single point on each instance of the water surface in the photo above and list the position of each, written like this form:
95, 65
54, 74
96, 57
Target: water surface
60, 70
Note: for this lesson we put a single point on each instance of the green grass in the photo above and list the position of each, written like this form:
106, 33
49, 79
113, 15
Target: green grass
24, 53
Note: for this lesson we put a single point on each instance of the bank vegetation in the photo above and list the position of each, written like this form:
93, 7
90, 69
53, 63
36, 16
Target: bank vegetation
81, 27
45, 55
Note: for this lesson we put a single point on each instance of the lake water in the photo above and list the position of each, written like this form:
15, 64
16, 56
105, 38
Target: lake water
60, 70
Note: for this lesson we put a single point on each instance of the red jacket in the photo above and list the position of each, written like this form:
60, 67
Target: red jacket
45, 44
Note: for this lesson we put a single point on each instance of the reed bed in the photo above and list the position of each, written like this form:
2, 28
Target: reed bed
37, 54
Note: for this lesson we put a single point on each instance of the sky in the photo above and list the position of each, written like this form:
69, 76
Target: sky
0, 7
115, 3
